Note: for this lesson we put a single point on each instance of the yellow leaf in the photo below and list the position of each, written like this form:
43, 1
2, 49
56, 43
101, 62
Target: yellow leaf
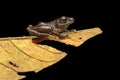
20, 54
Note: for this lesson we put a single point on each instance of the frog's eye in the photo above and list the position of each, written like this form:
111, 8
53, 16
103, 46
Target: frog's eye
63, 18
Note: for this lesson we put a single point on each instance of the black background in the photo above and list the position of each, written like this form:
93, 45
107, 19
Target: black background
91, 60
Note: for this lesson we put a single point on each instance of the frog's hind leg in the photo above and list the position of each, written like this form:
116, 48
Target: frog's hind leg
39, 39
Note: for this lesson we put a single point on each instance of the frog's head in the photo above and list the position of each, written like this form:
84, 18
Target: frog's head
64, 22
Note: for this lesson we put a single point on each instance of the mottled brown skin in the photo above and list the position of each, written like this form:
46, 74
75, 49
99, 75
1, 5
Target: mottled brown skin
55, 27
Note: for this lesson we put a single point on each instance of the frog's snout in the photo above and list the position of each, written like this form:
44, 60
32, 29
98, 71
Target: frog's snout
71, 20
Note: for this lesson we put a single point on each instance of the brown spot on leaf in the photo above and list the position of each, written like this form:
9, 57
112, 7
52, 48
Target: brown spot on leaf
13, 64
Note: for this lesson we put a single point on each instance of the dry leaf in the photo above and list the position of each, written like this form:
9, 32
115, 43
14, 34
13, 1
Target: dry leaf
20, 54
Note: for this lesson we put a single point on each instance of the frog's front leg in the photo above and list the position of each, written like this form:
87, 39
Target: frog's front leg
36, 33
62, 35
65, 30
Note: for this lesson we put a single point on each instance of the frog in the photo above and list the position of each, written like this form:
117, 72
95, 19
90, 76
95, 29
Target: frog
52, 28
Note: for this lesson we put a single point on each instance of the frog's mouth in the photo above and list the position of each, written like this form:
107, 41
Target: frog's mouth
62, 23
